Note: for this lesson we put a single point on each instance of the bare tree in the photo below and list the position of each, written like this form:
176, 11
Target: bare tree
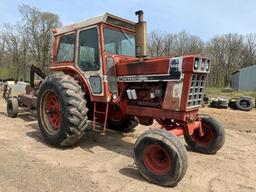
225, 53
31, 41
2, 45
186, 43
167, 45
249, 52
155, 43
161, 44
38, 26
14, 46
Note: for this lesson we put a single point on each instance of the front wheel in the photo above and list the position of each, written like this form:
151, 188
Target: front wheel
160, 157
213, 136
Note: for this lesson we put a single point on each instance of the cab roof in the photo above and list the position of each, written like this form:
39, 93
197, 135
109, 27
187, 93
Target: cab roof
105, 18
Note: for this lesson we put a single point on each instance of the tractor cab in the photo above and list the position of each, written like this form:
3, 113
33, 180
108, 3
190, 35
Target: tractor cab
88, 47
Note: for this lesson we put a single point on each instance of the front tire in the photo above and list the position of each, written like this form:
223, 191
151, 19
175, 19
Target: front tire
62, 111
212, 140
160, 157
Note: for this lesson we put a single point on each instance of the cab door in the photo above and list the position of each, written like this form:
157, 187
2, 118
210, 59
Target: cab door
89, 58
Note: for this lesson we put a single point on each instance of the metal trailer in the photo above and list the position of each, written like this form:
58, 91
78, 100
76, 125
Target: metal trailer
27, 99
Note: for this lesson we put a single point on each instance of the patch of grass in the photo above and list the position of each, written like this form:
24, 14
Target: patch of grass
216, 92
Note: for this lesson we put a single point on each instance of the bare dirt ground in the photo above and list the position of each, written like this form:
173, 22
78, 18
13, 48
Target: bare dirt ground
104, 163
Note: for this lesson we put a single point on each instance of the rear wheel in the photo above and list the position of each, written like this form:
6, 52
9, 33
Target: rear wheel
62, 111
123, 125
12, 107
160, 157
213, 136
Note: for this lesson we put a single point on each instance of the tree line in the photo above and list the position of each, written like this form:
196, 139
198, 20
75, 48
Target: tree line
228, 52
30, 42
27, 42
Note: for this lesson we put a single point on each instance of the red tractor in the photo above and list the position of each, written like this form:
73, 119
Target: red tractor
100, 72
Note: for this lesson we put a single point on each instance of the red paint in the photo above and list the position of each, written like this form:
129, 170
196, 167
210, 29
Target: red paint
131, 66
204, 139
145, 107
156, 159
177, 131
53, 110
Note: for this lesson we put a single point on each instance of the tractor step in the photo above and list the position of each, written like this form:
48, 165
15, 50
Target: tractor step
98, 112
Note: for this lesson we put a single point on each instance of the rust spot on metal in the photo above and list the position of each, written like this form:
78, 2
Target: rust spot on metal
172, 96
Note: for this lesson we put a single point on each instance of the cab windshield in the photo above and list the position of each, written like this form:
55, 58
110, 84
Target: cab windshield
118, 42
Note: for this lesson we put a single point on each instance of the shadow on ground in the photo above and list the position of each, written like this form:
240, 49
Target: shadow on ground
24, 115
112, 140
132, 172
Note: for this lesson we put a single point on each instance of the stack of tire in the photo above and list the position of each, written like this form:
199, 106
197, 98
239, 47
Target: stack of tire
220, 103
241, 103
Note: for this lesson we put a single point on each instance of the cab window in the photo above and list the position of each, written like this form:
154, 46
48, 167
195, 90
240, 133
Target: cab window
119, 42
66, 48
88, 51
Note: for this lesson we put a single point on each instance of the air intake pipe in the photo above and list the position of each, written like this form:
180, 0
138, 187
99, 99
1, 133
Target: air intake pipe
141, 36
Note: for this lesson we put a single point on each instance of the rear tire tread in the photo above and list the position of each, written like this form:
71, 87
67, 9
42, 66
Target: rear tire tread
75, 105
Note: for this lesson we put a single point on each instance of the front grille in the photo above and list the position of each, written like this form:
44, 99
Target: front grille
196, 92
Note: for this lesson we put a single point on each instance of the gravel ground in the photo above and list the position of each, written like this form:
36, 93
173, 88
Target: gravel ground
104, 163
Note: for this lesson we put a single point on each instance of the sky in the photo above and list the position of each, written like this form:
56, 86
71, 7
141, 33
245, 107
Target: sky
205, 18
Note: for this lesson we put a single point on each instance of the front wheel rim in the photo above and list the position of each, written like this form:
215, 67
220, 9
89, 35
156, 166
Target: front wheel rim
156, 159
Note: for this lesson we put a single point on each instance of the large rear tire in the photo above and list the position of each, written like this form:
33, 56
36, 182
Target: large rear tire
124, 125
212, 140
62, 111
160, 157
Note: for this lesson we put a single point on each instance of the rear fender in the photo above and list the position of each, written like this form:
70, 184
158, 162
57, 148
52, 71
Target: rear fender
74, 72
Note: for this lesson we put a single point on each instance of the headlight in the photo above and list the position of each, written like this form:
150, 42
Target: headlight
207, 65
196, 65
203, 65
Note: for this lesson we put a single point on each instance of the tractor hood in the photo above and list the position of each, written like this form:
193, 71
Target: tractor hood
160, 68
133, 66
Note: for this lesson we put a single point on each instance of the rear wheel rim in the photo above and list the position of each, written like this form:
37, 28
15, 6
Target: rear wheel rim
51, 112
156, 159
207, 137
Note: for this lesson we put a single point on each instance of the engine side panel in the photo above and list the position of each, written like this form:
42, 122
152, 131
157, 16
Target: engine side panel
147, 67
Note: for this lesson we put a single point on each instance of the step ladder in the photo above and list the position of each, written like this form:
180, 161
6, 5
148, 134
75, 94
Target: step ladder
96, 112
